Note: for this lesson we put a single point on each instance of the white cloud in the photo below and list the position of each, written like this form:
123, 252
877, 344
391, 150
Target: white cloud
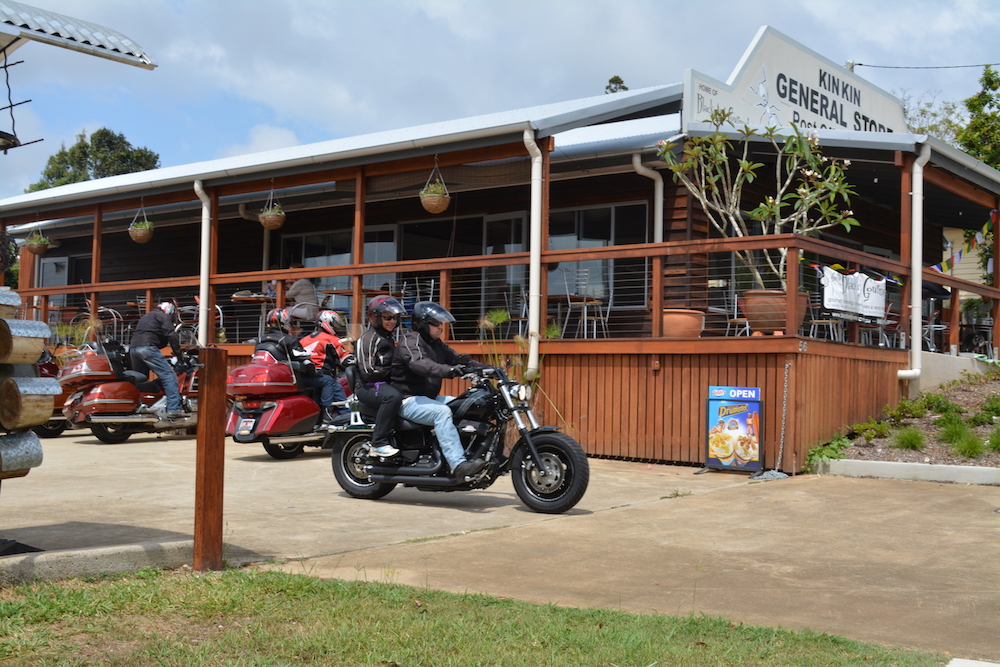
262, 138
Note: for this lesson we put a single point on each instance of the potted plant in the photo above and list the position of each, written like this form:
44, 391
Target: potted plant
141, 231
811, 194
434, 196
37, 243
272, 216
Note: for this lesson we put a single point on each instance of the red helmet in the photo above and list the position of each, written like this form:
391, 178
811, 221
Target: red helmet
330, 322
383, 304
279, 319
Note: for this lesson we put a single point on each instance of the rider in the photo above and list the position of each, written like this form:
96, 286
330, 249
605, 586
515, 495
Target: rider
374, 352
421, 360
326, 349
279, 323
153, 331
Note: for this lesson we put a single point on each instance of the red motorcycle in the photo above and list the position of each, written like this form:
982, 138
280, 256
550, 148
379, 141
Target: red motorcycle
273, 408
115, 401
48, 368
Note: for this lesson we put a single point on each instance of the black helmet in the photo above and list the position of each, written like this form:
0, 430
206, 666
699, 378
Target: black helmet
383, 305
279, 319
429, 312
330, 322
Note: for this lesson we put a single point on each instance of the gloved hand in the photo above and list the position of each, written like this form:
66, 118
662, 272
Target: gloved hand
458, 371
349, 360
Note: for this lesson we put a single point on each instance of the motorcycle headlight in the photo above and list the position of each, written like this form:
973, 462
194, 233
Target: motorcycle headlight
523, 392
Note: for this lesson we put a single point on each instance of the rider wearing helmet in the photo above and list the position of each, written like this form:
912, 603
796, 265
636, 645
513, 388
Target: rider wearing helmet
324, 344
374, 353
422, 359
153, 331
278, 324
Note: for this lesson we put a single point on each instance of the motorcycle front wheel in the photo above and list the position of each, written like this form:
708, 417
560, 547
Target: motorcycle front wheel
51, 428
111, 434
569, 473
349, 459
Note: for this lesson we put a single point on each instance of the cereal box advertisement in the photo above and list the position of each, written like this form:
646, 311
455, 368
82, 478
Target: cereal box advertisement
734, 429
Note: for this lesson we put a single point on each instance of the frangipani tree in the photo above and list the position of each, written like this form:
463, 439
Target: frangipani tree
812, 192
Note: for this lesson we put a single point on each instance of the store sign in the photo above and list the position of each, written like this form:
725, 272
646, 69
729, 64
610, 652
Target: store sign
853, 293
734, 429
779, 82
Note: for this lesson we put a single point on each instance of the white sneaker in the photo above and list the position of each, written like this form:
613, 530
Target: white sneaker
385, 450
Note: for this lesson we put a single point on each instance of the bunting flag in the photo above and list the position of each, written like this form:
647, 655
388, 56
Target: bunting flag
947, 265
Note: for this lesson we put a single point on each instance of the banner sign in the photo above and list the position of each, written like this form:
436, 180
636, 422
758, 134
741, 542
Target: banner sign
853, 293
734, 428
779, 82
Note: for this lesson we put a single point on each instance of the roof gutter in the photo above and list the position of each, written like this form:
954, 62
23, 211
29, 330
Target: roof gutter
535, 261
916, 265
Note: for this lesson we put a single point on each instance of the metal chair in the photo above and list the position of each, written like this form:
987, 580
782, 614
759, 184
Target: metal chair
580, 298
821, 322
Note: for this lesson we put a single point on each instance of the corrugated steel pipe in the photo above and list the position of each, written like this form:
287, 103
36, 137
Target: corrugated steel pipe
657, 195
206, 242
916, 266
535, 264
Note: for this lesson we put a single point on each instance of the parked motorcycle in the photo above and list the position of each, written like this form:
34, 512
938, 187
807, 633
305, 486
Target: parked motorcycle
273, 408
115, 401
550, 470
48, 368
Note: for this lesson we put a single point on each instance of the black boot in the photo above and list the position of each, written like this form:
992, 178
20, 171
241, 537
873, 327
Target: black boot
329, 414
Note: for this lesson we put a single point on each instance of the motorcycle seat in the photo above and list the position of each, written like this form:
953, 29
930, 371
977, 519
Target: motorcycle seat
134, 377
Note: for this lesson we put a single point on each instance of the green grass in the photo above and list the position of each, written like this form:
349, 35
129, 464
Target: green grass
993, 441
909, 437
239, 618
969, 445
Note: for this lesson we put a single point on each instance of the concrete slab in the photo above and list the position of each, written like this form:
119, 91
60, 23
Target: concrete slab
899, 562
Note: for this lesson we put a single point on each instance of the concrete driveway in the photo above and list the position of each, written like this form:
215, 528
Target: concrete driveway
891, 561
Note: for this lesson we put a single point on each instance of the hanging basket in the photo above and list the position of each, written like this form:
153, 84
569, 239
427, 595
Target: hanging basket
37, 248
435, 203
271, 220
141, 234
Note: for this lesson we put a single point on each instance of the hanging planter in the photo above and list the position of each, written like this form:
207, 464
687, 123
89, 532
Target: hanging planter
37, 244
141, 231
434, 195
272, 216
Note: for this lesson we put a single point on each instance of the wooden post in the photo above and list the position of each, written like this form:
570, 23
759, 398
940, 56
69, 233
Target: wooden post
210, 463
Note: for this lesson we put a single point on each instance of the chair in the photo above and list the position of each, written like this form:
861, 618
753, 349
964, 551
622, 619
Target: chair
580, 298
932, 329
598, 316
821, 322
735, 320
517, 307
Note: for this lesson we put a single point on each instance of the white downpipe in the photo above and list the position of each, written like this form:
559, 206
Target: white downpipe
916, 266
206, 241
535, 263
657, 195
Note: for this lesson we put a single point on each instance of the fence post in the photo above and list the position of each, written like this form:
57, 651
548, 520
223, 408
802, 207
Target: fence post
210, 462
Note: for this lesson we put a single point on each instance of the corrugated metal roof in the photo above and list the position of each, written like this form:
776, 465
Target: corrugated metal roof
32, 23
505, 126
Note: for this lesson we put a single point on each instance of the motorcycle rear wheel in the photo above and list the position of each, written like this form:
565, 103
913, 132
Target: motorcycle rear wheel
111, 434
348, 460
284, 452
560, 491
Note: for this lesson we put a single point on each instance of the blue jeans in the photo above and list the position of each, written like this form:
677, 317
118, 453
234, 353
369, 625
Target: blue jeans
434, 412
329, 389
146, 358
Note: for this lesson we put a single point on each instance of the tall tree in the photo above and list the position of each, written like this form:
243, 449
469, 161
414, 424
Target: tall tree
615, 85
925, 115
981, 136
106, 154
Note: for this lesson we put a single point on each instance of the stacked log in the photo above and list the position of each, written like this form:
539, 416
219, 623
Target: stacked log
26, 400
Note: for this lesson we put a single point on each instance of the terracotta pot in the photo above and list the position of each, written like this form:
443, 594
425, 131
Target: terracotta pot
681, 323
141, 234
271, 220
37, 248
435, 203
766, 310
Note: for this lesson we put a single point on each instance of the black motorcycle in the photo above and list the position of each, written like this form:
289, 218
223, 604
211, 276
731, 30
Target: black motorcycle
495, 422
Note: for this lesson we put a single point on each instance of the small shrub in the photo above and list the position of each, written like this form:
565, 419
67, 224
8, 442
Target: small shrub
872, 429
987, 411
940, 404
906, 409
909, 438
952, 428
969, 445
828, 452
993, 441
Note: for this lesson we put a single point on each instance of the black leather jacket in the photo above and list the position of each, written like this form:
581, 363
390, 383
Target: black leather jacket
374, 354
421, 362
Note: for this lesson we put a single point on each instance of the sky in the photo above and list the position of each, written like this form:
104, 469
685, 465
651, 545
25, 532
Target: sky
240, 76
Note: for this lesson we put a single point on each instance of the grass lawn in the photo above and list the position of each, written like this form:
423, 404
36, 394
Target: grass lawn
242, 617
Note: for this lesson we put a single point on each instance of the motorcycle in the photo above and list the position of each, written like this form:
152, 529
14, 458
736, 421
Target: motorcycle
273, 408
115, 401
495, 422
48, 368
